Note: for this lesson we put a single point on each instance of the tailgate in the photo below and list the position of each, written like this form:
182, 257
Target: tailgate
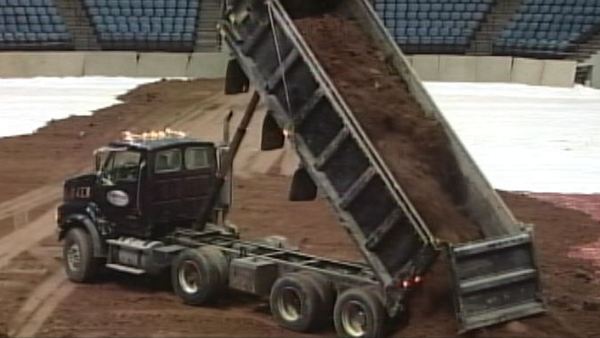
495, 281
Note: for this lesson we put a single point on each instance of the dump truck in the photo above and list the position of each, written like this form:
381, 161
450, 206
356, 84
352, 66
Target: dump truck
158, 202
495, 278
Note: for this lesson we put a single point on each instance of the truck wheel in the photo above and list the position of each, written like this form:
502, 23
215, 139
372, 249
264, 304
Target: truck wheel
78, 255
326, 296
359, 313
295, 303
196, 277
219, 261
236, 80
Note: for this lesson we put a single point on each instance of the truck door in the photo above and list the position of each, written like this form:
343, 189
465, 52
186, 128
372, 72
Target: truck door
119, 191
180, 184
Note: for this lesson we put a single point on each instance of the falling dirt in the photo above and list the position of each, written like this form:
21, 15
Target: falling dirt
122, 306
415, 147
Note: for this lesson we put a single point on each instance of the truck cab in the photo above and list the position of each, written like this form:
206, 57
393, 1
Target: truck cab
145, 186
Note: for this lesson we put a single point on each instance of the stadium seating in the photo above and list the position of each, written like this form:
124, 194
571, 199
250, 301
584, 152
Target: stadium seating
435, 26
32, 24
144, 24
549, 27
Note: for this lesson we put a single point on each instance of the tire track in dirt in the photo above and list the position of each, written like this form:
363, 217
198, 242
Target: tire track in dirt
26, 237
43, 195
40, 305
45, 297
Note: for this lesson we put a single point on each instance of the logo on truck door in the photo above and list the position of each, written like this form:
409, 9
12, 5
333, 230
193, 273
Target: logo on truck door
117, 198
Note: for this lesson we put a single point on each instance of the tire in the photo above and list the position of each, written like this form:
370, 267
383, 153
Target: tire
78, 255
327, 297
196, 275
236, 81
220, 263
356, 305
295, 303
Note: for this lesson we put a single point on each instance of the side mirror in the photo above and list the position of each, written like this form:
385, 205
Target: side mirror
303, 187
98, 163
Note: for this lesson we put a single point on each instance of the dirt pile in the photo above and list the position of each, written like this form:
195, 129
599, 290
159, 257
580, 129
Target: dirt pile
415, 147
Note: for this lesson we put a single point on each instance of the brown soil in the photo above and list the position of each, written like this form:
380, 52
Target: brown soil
414, 147
140, 307
129, 307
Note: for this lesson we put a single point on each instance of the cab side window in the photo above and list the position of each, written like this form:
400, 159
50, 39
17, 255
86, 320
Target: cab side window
168, 161
198, 158
123, 166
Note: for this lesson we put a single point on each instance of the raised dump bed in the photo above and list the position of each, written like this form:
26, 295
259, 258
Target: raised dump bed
373, 140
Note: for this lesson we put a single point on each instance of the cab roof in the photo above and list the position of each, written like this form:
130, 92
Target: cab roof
156, 144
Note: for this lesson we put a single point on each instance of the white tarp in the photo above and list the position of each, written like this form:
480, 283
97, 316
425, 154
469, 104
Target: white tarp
27, 104
525, 138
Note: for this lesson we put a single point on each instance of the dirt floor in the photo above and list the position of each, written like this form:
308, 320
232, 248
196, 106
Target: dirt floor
38, 301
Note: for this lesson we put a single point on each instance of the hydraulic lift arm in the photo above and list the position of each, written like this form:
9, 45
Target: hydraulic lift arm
227, 161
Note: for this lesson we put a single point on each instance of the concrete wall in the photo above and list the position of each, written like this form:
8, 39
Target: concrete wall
131, 64
559, 73
595, 61
427, 66
111, 64
22, 64
454, 68
207, 65
213, 65
527, 71
493, 69
162, 64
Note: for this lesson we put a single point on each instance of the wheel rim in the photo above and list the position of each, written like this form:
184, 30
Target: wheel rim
74, 257
354, 319
189, 277
289, 304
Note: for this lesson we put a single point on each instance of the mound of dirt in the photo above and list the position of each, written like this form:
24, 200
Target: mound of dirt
415, 147
569, 284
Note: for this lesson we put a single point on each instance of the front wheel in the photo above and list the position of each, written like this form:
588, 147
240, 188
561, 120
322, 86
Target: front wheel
78, 256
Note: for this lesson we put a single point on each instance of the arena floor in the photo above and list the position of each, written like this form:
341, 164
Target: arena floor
541, 142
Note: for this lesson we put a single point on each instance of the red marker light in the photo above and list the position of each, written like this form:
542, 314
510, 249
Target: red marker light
406, 284
418, 279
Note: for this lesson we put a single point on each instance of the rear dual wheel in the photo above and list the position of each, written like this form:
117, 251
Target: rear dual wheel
359, 313
301, 302
199, 276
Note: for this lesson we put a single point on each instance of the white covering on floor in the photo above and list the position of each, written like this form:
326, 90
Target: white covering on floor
523, 137
527, 138
27, 104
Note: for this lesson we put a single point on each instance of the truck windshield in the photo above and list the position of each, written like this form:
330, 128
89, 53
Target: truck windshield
122, 166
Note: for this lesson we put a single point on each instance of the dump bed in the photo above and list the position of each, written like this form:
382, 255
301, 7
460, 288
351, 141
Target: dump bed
343, 160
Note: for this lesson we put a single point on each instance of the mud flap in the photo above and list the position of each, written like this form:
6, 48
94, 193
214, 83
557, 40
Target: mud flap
495, 281
303, 188
272, 137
